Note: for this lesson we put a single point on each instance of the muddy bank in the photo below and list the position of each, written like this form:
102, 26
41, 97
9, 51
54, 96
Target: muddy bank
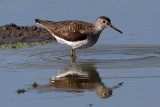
11, 33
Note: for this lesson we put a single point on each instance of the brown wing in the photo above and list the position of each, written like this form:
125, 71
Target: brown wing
71, 36
68, 30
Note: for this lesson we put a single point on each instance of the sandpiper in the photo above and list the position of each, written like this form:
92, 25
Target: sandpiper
77, 34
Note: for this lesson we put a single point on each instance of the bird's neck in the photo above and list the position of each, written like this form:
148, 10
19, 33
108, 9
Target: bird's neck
98, 27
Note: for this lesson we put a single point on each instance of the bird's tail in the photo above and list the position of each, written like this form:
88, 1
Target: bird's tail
46, 24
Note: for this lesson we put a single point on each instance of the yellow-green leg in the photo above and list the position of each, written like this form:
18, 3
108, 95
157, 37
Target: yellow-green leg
73, 55
73, 52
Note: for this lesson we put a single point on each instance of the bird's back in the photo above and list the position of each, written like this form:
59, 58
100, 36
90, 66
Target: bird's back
70, 30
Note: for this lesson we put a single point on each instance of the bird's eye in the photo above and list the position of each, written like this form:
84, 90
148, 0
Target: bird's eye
104, 21
104, 94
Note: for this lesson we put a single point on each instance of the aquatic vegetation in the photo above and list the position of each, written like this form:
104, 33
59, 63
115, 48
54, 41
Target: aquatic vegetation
19, 91
48, 41
4, 46
36, 43
34, 85
54, 43
21, 64
29, 45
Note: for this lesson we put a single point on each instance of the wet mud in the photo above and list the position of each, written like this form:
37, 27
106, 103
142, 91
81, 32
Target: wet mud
12, 33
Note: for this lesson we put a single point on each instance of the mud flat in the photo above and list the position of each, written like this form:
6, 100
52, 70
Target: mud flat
11, 33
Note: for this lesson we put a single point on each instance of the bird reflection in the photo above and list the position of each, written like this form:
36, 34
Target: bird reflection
78, 78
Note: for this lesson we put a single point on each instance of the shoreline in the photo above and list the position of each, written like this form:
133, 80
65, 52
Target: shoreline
12, 33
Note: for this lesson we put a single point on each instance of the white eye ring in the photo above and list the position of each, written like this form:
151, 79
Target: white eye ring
103, 21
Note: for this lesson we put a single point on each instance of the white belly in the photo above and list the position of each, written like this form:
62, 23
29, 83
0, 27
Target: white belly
77, 44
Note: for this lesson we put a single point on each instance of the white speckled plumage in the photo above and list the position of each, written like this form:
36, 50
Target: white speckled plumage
77, 34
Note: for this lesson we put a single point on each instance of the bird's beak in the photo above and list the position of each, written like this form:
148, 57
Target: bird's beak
113, 27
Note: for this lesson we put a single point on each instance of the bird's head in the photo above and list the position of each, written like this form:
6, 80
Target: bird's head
103, 22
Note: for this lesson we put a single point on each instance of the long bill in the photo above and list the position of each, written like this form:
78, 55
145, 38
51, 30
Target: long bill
113, 27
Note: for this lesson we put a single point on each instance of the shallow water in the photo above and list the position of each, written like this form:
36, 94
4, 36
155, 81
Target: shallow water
122, 68
136, 66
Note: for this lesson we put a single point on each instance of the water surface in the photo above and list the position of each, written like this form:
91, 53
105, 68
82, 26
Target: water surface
120, 70
136, 66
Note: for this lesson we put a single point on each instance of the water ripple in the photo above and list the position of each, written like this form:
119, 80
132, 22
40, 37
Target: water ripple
47, 56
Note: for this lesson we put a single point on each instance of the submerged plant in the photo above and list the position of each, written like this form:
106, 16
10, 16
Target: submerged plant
29, 45
48, 41
5, 46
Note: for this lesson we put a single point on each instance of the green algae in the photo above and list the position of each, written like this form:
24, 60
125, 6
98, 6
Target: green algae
22, 44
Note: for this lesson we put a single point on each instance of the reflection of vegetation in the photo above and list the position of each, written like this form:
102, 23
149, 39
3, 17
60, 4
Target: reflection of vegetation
29, 45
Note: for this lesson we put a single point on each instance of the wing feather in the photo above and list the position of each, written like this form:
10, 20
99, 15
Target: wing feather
68, 30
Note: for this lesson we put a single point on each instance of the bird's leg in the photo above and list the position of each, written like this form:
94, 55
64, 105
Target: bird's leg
73, 52
73, 55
